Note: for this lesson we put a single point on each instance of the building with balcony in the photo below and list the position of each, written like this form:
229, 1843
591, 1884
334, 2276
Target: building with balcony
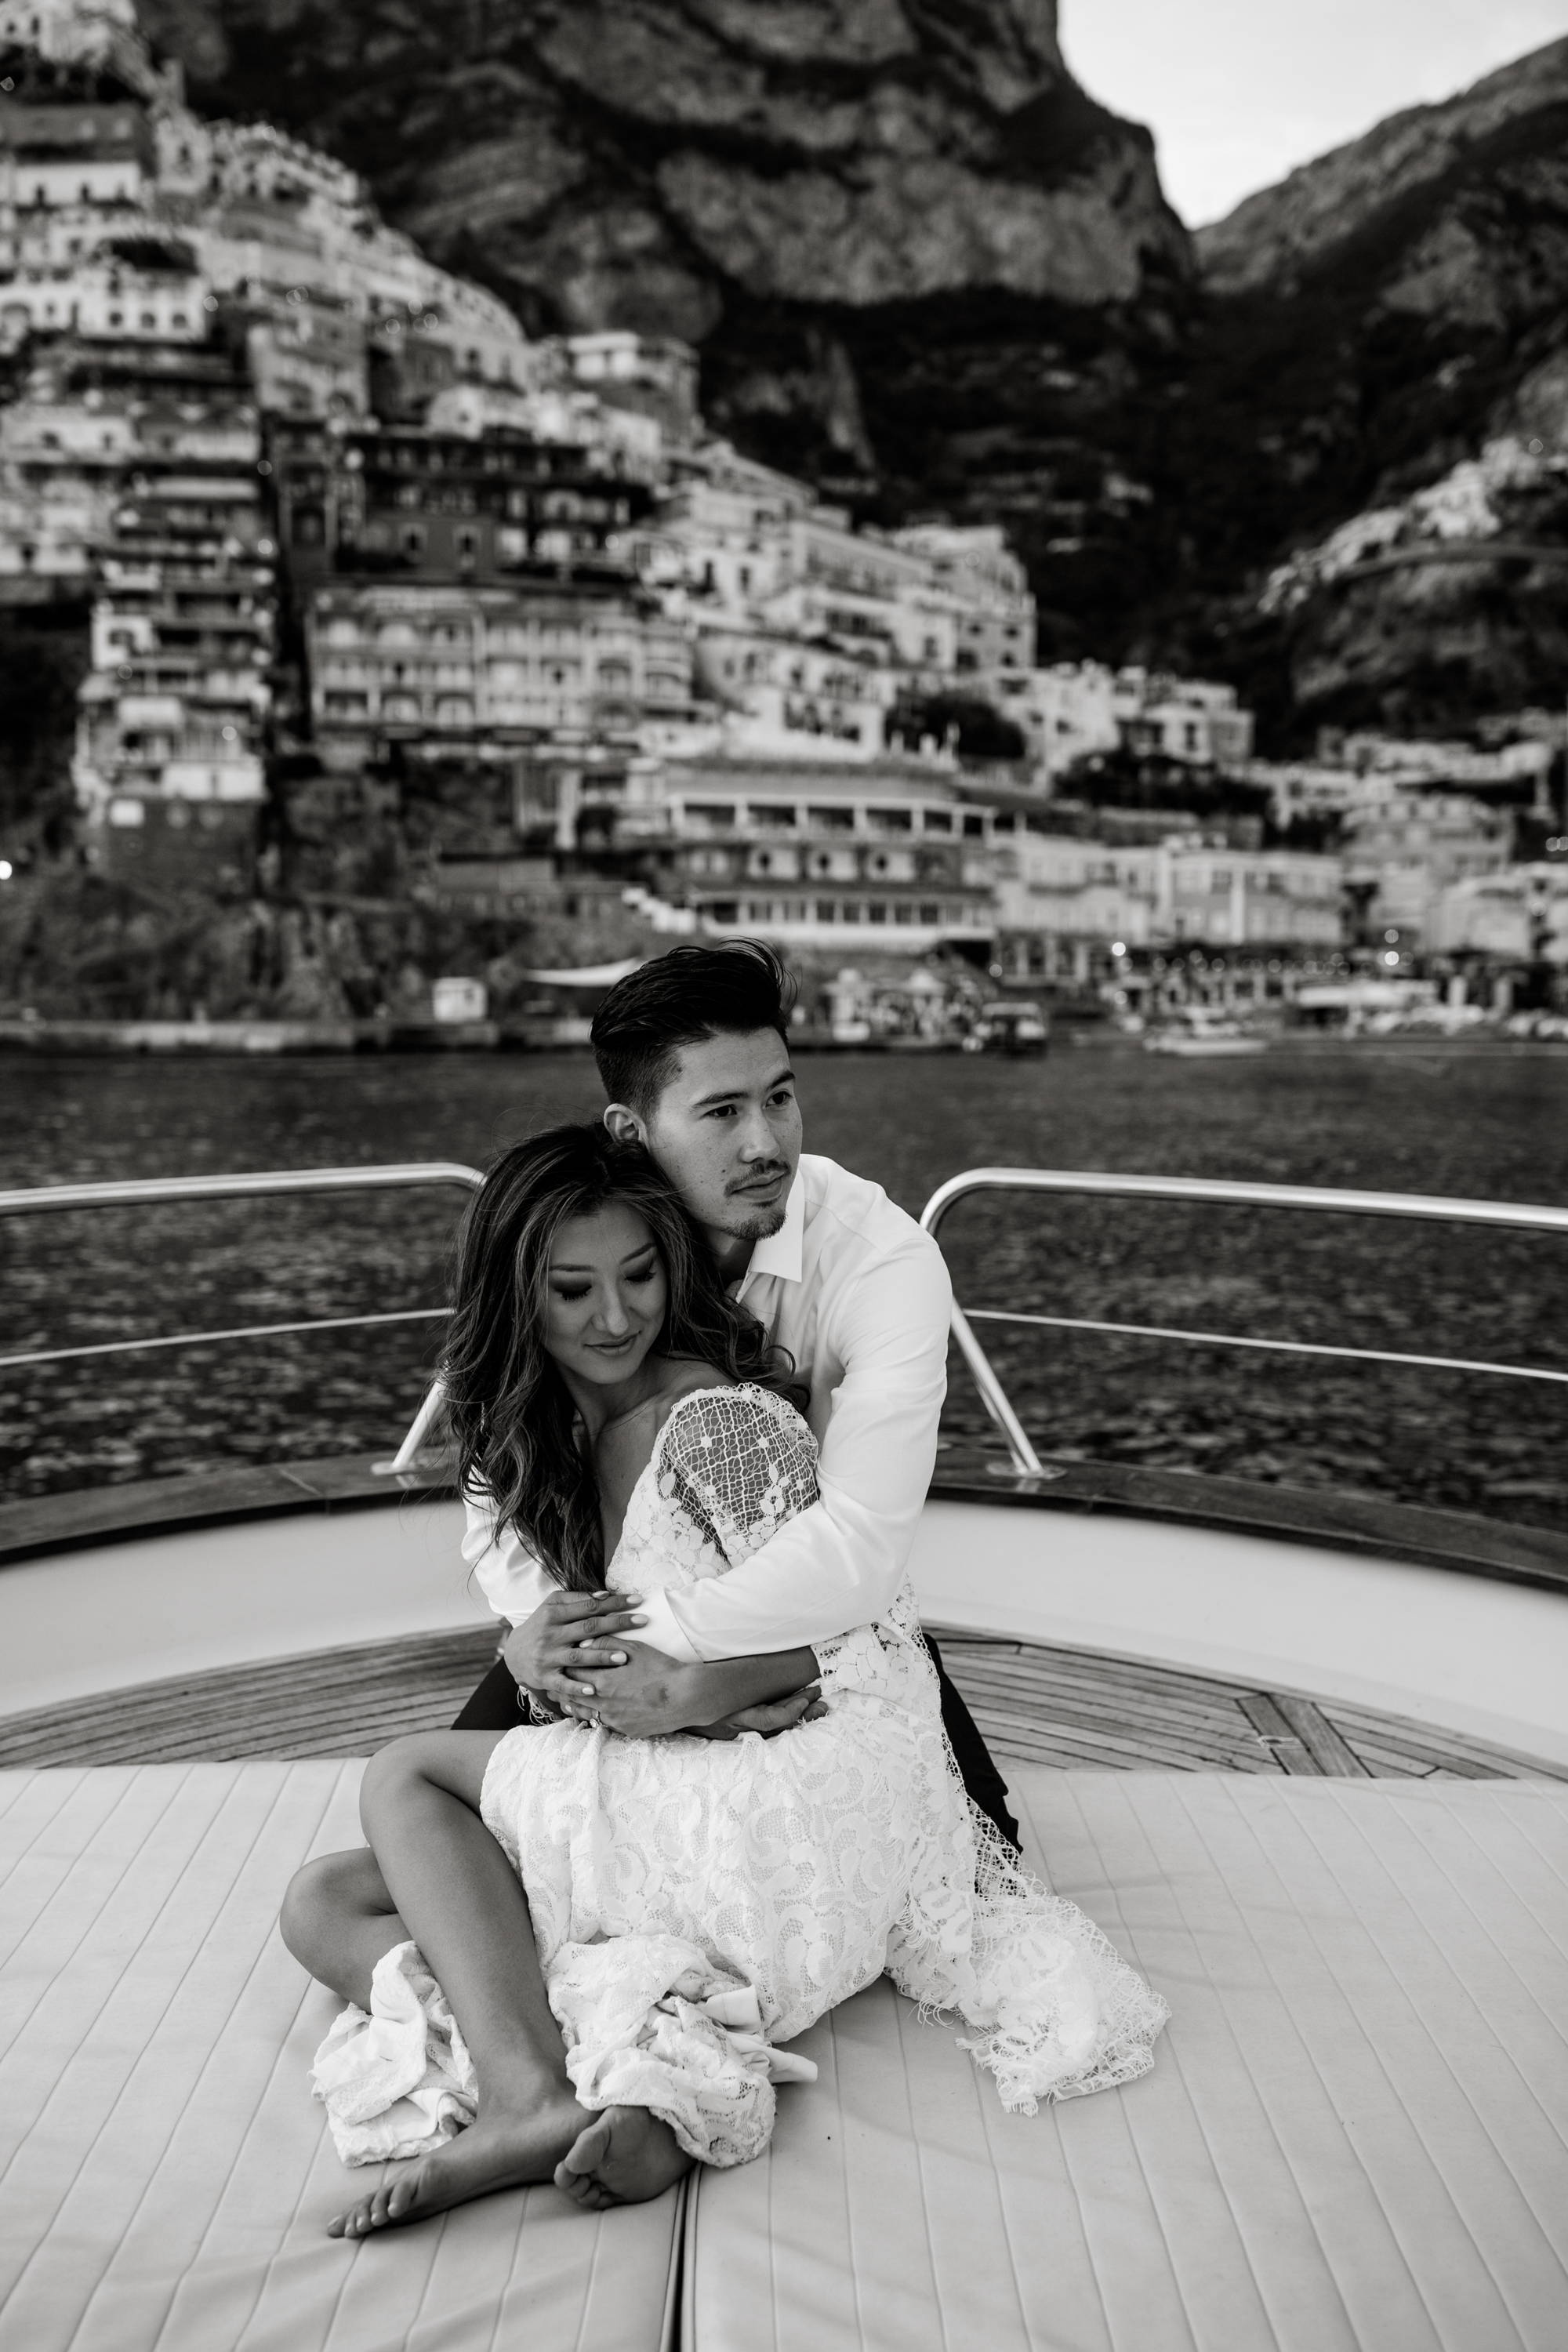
110, 299
422, 506
653, 376
1405, 849
795, 698
1190, 722
309, 356
175, 706
879, 860
719, 532
1519, 916
996, 610
484, 671
61, 151
1065, 713
1086, 896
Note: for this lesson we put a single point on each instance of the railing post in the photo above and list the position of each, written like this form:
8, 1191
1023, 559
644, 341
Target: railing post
418, 1431
994, 1396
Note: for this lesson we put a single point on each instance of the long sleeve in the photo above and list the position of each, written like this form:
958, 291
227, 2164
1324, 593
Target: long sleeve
839, 1563
505, 1570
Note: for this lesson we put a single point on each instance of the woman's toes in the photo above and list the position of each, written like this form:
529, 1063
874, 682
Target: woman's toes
589, 2149
581, 2187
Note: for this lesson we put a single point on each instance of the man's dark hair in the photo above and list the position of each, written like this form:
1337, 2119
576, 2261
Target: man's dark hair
681, 999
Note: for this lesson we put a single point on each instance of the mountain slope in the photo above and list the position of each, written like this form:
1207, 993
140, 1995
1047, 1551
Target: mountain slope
921, 265
1385, 321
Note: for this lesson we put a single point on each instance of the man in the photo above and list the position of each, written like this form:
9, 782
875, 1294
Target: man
693, 1051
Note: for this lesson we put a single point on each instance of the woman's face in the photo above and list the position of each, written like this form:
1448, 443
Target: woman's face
604, 1295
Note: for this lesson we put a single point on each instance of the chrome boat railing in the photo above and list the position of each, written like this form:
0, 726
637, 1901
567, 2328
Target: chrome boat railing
1325, 1200
1322, 1199
146, 1191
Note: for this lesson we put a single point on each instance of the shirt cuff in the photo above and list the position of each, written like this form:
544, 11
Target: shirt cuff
663, 1633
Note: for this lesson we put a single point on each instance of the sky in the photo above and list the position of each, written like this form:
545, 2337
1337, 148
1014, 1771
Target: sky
1238, 92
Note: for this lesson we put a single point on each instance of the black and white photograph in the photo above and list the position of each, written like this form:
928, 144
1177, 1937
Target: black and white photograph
783, 1176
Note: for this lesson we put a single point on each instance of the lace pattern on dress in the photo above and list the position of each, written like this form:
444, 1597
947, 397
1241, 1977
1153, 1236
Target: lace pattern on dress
1057, 2013
696, 1903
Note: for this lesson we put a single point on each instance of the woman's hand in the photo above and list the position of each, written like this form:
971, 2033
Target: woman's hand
770, 1717
569, 1635
652, 1696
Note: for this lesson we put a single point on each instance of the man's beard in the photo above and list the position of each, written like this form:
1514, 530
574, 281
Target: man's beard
756, 1225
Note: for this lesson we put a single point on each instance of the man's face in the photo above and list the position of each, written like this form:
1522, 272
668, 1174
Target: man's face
726, 1131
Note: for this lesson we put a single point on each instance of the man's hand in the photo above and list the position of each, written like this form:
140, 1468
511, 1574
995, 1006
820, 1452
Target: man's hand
772, 1716
569, 1635
648, 1696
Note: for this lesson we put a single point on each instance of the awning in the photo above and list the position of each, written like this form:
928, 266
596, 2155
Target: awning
589, 975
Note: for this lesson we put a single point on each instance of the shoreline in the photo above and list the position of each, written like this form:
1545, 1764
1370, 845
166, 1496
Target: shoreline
244, 1039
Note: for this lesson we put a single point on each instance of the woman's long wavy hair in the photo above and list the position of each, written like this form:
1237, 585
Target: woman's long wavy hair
510, 1411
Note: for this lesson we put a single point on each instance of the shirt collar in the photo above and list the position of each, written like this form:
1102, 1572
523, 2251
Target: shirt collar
781, 1253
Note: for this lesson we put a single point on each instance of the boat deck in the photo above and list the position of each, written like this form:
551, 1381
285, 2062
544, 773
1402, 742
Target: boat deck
1035, 1703
1352, 2139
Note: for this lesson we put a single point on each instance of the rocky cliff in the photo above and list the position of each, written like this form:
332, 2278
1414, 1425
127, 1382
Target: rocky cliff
925, 269
1382, 376
921, 265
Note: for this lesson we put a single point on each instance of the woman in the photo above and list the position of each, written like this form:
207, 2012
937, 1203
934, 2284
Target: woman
631, 1925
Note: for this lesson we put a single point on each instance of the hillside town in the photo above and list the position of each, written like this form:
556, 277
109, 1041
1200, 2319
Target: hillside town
387, 605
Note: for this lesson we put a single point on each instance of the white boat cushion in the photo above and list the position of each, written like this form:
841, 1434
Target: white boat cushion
1353, 2136
165, 2177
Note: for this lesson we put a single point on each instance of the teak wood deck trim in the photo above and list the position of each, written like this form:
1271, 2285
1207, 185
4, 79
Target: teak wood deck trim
38, 1526
1039, 1704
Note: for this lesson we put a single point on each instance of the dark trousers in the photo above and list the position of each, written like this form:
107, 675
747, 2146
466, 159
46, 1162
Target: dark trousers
493, 1708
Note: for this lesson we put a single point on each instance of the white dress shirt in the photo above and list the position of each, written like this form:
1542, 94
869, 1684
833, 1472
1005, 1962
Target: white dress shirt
861, 1298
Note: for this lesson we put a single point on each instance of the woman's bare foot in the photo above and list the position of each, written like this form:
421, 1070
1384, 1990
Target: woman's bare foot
497, 2151
623, 2157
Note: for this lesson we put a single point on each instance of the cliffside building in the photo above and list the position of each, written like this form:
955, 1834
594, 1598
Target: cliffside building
1067, 906
446, 669
175, 709
1405, 849
1188, 721
420, 505
882, 859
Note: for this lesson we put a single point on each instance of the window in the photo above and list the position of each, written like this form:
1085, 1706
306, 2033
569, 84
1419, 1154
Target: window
939, 821
974, 827
931, 913
825, 910
878, 910
411, 539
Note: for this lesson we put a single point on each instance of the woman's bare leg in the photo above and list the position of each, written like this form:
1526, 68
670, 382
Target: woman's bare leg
338, 1919
457, 1894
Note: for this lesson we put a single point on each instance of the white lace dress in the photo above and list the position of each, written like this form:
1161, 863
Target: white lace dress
699, 1903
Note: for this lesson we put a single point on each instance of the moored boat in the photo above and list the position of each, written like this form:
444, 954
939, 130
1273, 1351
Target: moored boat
1196, 1031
